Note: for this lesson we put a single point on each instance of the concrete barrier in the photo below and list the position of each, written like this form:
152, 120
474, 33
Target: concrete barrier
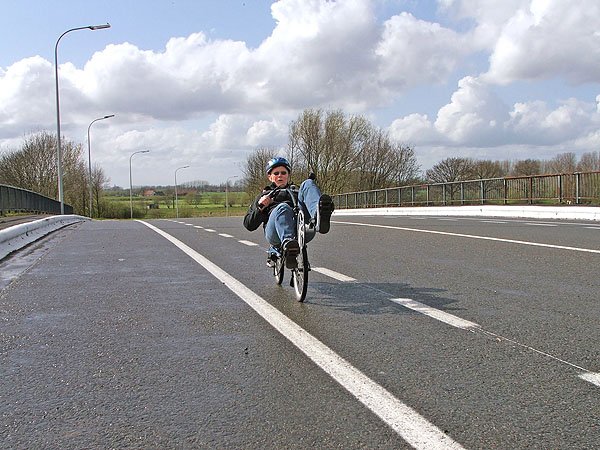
525, 211
18, 236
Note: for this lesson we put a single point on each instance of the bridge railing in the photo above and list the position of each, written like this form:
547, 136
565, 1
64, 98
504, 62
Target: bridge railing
14, 199
567, 188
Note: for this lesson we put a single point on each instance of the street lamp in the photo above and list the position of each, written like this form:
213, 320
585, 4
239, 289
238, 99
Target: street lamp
130, 184
90, 158
58, 149
226, 199
176, 201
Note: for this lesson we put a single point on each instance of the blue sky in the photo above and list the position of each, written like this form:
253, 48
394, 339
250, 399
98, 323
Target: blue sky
204, 83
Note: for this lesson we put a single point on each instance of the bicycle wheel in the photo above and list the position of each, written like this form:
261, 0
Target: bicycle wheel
300, 275
278, 269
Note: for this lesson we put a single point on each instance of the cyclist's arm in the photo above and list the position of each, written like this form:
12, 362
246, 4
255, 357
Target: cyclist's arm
255, 216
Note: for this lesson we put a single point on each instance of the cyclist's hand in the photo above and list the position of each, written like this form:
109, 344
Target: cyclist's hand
264, 201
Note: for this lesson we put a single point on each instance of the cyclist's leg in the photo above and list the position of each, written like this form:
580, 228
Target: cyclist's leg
309, 195
319, 206
281, 225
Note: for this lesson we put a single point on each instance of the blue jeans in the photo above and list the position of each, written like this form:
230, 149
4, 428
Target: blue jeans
282, 225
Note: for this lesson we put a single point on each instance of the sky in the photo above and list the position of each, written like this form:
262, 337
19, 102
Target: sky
204, 83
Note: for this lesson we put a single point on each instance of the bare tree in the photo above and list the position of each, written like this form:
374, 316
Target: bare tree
589, 162
451, 169
527, 167
254, 170
562, 163
485, 169
34, 167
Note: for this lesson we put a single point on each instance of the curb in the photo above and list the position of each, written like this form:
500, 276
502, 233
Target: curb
18, 236
591, 213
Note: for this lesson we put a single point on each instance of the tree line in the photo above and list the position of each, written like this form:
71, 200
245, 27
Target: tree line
347, 153
34, 167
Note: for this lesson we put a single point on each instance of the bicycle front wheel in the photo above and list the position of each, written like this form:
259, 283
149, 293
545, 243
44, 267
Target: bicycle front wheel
300, 275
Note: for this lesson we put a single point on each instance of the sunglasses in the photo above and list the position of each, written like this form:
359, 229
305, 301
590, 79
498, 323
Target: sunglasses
279, 173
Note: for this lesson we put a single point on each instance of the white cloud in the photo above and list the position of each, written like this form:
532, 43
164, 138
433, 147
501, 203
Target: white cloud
210, 102
414, 52
549, 39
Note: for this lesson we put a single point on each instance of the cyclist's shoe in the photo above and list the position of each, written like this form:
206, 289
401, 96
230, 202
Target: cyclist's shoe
291, 250
270, 262
324, 212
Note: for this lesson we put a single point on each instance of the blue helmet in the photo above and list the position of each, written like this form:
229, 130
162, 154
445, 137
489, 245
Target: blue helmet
276, 162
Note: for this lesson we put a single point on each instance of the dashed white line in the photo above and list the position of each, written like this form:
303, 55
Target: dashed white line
198, 226
593, 228
248, 243
436, 313
591, 377
225, 235
210, 230
410, 425
540, 224
493, 221
332, 274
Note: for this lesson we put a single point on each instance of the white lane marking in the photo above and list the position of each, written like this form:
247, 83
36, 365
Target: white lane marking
541, 224
493, 221
410, 425
198, 226
593, 228
436, 313
592, 377
189, 224
449, 220
248, 243
471, 236
225, 235
210, 230
332, 274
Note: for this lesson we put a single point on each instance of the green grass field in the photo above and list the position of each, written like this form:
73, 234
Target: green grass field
163, 207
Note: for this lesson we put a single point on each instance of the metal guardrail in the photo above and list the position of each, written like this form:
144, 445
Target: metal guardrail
14, 199
570, 188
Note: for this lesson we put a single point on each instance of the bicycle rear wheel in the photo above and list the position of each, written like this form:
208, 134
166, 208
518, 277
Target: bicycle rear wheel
300, 275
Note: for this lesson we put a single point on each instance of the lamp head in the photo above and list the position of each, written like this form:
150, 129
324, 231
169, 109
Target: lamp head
99, 27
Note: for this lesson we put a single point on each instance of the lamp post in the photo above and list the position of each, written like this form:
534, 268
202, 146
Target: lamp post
226, 198
130, 184
90, 158
58, 148
176, 200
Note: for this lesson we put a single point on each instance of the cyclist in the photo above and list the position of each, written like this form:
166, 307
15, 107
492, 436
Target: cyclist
273, 208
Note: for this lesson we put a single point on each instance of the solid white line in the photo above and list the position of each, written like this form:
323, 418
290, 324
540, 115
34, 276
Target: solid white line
436, 313
332, 274
248, 243
593, 378
471, 236
410, 425
225, 235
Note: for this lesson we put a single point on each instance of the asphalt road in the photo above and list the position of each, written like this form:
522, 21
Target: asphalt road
429, 332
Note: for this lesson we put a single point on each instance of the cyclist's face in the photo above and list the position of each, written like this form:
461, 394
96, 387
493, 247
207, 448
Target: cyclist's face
280, 176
